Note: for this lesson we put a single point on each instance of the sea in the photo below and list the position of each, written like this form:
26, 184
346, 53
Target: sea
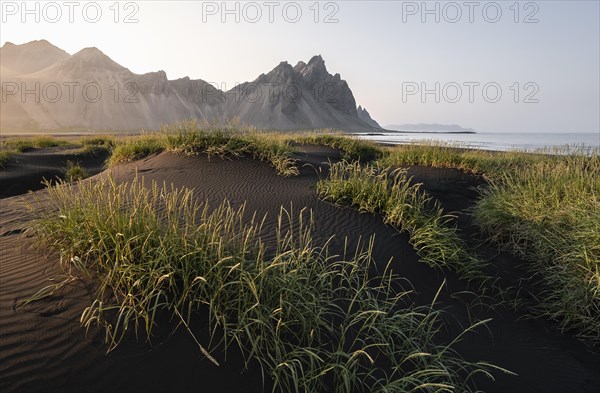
499, 141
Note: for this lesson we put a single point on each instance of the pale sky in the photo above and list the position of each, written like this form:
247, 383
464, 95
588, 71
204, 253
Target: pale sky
382, 49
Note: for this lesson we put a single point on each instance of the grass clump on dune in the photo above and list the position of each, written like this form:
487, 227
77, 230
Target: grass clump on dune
21, 145
234, 140
97, 141
189, 138
543, 207
491, 164
135, 148
11, 146
5, 156
313, 321
96, 145
74, 171
353, 149
377, 189
549, 214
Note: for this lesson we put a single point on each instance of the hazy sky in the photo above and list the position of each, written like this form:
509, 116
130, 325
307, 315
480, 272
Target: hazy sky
387, 51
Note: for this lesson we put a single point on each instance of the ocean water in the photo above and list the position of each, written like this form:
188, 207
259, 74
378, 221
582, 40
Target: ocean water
494, 141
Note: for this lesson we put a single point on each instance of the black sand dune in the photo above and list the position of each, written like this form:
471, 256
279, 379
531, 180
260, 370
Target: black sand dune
25, 171
43, 347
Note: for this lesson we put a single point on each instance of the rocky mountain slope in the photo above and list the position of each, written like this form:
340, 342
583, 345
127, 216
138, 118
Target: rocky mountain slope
364, 115
45, 88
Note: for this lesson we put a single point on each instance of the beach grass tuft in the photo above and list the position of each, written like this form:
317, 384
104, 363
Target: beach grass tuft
353, 149
191, 138
5, 156
10, 146
22, 145
74, 171
378, 189
549, 214
135, 148
312, 320
96, 145
490, 164
544, 207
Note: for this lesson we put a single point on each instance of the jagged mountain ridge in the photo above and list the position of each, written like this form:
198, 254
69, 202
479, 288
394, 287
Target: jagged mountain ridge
90, 90
31, 57
364, 115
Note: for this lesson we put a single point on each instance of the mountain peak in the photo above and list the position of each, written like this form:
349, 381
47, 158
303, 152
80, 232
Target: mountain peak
94, 57
90, 51
299, 66
280, 74
31, 56
316, 60
364, 115
318, 99
32, 45
8, 44
330, 88
316, 65
40, 42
